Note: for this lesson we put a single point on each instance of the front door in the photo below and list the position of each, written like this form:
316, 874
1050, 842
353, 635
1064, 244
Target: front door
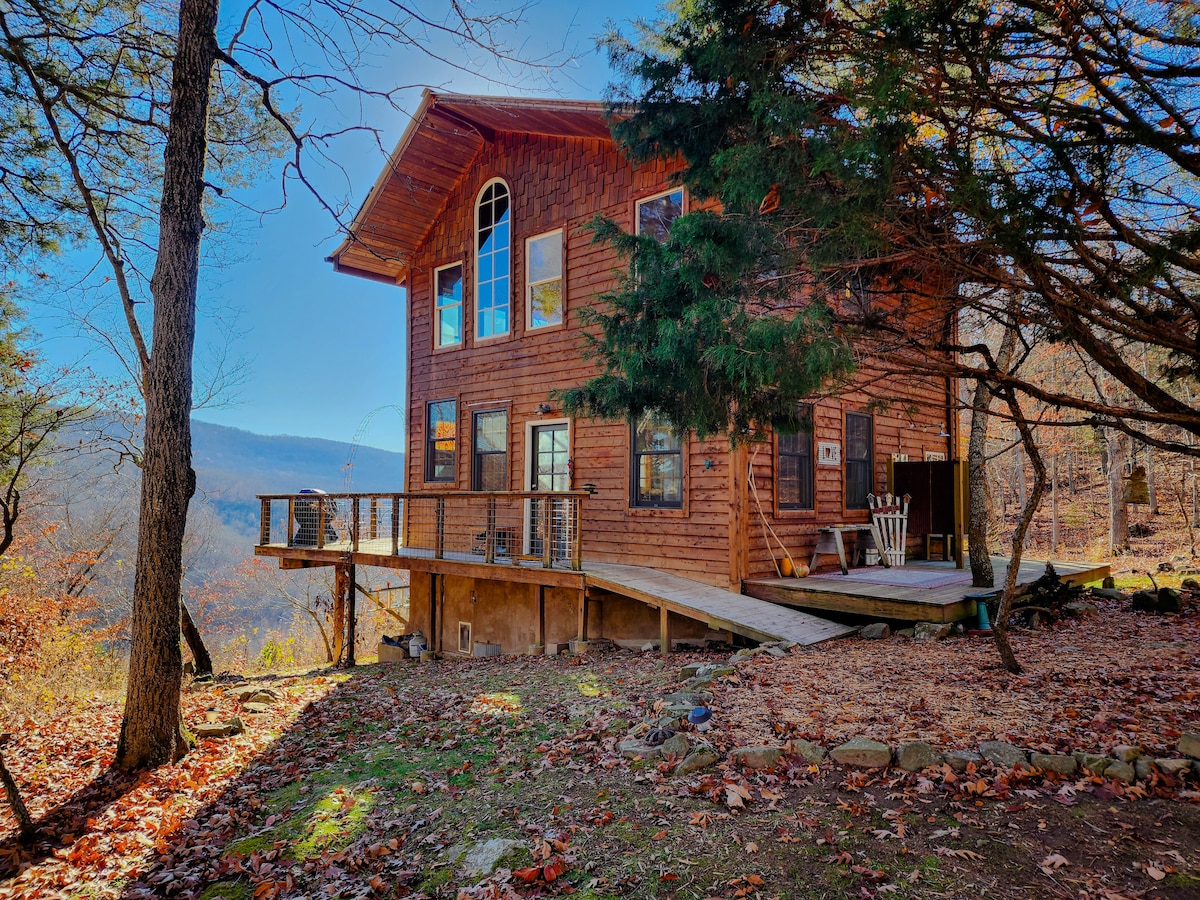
549, 471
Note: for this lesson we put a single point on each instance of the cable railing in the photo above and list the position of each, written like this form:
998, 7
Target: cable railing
509, 527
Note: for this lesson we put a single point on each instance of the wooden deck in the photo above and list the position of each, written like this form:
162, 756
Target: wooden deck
912, 603
722, 610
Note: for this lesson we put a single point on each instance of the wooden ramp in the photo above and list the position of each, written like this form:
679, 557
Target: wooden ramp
723, 610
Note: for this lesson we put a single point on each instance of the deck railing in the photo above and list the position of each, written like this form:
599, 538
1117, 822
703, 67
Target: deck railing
487, 526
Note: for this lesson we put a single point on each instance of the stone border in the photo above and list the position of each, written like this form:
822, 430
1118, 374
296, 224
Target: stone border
656, 738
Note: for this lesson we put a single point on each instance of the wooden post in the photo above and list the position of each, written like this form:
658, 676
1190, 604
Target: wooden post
433, 624
540, 592
264, 523
320, 504
547, 533
439, 528
355, 524
395, 526
664, 630
583, 611
339, 613
577, 543
739, 517
291, 519
352, 596
373, 533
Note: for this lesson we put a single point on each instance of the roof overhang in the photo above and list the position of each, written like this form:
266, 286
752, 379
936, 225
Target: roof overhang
446, 134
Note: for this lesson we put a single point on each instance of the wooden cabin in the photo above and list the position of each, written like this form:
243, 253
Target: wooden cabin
518, 514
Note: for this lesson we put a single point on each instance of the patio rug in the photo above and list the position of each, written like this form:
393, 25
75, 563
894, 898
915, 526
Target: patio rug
903, 576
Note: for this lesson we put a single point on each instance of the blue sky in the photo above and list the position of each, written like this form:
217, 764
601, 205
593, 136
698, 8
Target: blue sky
324, 351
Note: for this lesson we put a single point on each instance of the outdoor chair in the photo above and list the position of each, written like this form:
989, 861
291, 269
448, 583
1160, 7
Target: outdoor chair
889, 515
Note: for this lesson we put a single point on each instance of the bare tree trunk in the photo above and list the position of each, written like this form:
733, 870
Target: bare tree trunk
1019, 461
1054, 503
1000, 626
25, 827
152, 731
195, 643
1118, 510
982, 574
1150, 483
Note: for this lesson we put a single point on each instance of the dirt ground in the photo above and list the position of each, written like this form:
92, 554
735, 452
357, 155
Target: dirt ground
357, 784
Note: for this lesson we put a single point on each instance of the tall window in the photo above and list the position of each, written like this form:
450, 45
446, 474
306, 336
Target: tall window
492, 239
489, 451
795, 466
655, 214
441, 432
447, 329
544, 282
657, 460
860, 479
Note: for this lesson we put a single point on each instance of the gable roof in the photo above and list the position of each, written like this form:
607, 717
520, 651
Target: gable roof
446, 133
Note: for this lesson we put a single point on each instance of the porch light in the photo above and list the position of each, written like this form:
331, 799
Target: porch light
543, 409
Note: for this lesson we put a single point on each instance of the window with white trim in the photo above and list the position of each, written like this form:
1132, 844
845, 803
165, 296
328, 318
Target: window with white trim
543, 280
493, 223
489, 451
447, 291
655, 214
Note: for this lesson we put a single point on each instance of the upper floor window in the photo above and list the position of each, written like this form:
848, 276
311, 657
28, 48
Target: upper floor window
447, 327
441, 433
655, 214
860, 441
492, 242
795, 466
657, 461
544, 281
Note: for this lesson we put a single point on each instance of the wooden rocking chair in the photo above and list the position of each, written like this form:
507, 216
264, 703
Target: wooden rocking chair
889, 515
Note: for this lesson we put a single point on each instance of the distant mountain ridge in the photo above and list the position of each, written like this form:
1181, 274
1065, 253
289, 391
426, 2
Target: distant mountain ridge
233, 466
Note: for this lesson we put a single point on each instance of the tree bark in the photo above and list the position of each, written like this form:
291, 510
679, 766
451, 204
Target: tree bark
1054, 503
25, 827
1118, 509
982, 574
152, 731
195, 643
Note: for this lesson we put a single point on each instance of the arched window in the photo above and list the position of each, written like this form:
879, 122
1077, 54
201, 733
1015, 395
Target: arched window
493, 223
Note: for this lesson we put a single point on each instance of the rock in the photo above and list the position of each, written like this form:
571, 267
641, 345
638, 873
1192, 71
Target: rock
863, 753
1002, 755
1078, 608
792, 645
808, 751
1126, 752
775, 651
691, 670
578, 648
917, 755
266, 696
958, 760
648, 647
1108, 593
1093, 762
931, 631
255, 707
676, 745
211, 730
676, 710
699, 759
721, 671
757, 757
1189, 744
478, 860
633, 748
690, 699
1054, 762
906, 632
877, 631
1175, 767
1122, 771
243, 691
1143, 767
1169, 600
1144, 601
1191, 584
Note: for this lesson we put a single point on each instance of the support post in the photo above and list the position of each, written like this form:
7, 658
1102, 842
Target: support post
351, 605
540, 592
434, 628
664, 630
577, 542
339, 612
395, 526
291, 519
355, 524
583, 612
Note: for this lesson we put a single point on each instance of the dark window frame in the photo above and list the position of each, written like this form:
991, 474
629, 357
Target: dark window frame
636, 499
477, 454
804, 450
431, 440
859, 470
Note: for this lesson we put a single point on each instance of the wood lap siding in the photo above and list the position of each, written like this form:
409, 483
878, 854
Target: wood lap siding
557, 183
